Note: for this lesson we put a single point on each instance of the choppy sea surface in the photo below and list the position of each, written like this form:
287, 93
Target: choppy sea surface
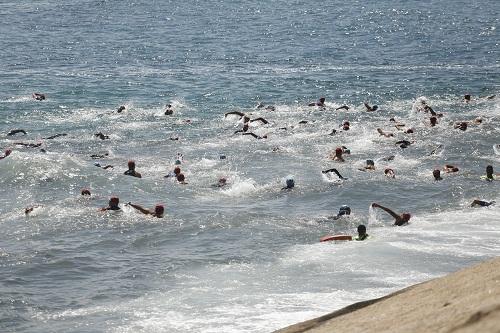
245, 257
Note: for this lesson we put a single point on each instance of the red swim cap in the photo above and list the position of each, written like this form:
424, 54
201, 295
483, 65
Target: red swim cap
338, 150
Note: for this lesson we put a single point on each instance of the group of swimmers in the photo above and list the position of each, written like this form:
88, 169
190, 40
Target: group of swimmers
338, 155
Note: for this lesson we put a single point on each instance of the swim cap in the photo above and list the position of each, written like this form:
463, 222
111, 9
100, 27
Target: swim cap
375, 107
97, 164
290, 183
131, 164
180, 177
159, 209
177, 162
222, 157
406, 216
344, 210
85, 191
338, 150
7, 152
370, 162
177, 170
361, 229
114, 200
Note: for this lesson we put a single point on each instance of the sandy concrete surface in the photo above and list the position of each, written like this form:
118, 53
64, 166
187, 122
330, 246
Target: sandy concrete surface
464, 301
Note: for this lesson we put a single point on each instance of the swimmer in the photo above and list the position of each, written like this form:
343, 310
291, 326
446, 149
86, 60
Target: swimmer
6, 153
404, 143
461, 126
433, 121
320, 103
386, 134
389, 173
181, 179
399, 219
28, 210
28, 145
112, 204
338, 155
334, 171
85, 192
14, 132
222, 182
370, 108
343, 107
450, 168
131, 170
343, 210
255, 135
98, 156
174, 173
157, 212
101, 136
302, 122
168, 110
120, 109
345, 125
362, 235
55, 136
174, 138
437, 174
346, 150
243, 130
290, 184
467, 98
370, 165
38, 96
109, 166
482, 203
489, 173
333, 132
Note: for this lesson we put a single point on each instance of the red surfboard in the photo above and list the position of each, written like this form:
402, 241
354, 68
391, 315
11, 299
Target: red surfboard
335, 238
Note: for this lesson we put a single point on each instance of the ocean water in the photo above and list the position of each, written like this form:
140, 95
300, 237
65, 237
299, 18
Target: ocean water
245, 257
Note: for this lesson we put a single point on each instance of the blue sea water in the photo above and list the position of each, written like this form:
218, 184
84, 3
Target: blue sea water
245, 257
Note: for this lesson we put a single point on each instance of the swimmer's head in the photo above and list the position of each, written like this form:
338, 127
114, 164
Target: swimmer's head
322, 100
222, 181
392, 119
462, 126
344, 210
406, 216
338, 151
85, 191
467, 98
346, 150
177, 170
433, 120
131, 165
97, 164
177, 162
375, 107
7, 152
159, 209
437, 174
114, 201
361, 229
180, 177
290, 183
370, 163
222, 157
489, 171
